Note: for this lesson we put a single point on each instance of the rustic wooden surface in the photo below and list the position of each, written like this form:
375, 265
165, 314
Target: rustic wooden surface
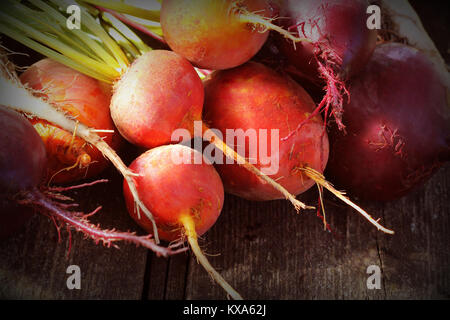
266, 251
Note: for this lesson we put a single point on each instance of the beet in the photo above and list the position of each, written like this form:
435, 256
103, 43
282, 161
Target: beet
252, 98
255, 97
159, 93
83, 98
22, 153
171, 190
340, 44
22, 166
214, 34
185, 197
397, 125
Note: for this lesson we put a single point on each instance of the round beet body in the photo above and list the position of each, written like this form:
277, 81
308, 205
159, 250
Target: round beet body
86, 100
22, 153
255, 99
397, 123
22, 167
210, 33
171, 188
159, 93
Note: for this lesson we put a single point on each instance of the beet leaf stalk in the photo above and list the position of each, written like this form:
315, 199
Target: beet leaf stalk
146, 20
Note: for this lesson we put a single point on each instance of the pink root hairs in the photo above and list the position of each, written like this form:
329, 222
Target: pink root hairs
335, 91
78, 221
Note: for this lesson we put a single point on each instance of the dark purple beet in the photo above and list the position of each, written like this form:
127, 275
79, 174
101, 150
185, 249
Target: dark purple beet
341, 44
22, 165
22, 153
336, 28
397, 123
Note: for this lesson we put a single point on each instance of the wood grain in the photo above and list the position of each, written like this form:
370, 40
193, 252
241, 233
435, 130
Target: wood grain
416, 263
270, 253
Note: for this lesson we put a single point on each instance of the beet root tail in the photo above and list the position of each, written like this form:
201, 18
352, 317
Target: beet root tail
79, 221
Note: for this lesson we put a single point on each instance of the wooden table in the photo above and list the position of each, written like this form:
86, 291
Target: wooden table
265, 250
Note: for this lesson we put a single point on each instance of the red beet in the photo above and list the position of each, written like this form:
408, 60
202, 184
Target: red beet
255, 97
398, 126
186, 198
341, 44
171, 190
213, 34
251, 98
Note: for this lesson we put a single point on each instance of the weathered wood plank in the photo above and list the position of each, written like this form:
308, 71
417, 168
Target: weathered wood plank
167, 277
156, 278
416, 262
176, 277
270, 253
